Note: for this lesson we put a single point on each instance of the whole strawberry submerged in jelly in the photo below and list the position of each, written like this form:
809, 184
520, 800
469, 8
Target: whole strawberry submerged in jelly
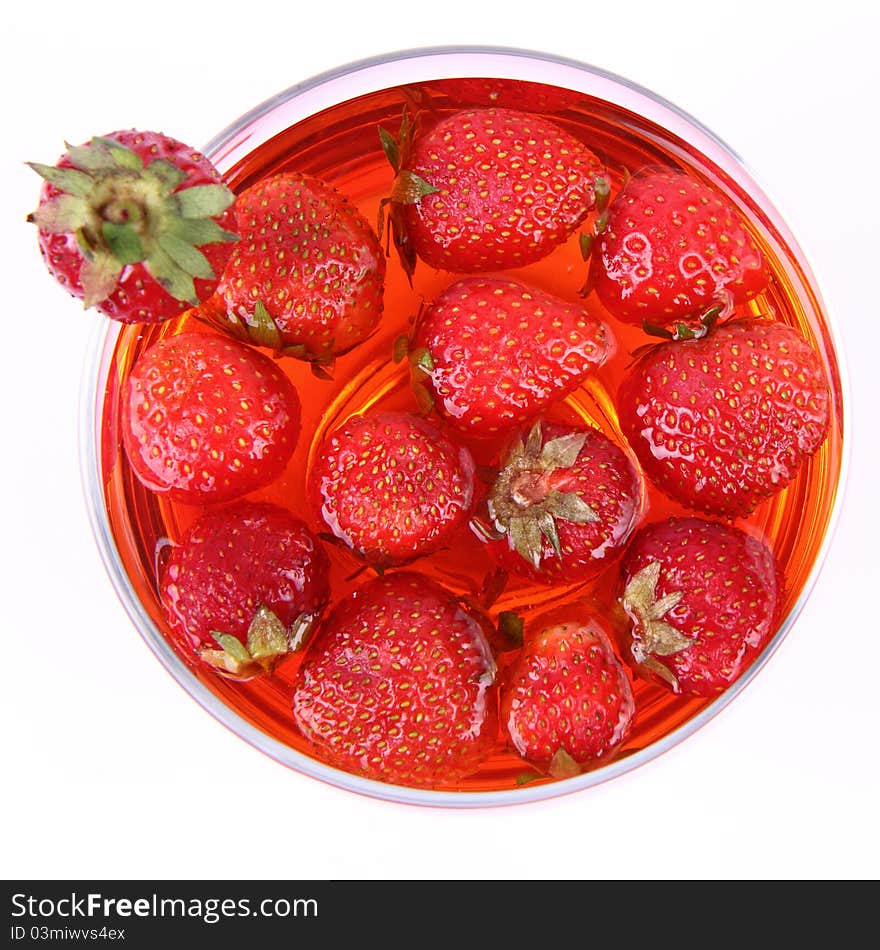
702, 598
135, 224
488, 189
567, 703
494, 354
244, 586
392, 486
306, 278
723, 422
206, 418
397, 684
672, 249
565, 504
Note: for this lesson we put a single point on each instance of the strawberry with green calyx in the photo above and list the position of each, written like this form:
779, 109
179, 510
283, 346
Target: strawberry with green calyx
396, 684
307, 277
567, 703
487, 189
702, 598
672, 248
243, 588
563, 505
135, 224
392, 486
206, 418
724, 421
493, 354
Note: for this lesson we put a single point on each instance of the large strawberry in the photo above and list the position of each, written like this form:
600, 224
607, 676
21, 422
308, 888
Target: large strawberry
702, 598
565, 503
397, 684
488, 189
392, 486
135, 224
673, 248
567, 703
721, 423
306, 278
244, 586
497, 354
206, 418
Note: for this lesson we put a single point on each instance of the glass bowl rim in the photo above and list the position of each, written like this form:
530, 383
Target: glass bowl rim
95, 373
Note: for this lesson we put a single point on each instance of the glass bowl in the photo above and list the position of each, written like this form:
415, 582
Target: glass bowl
266, 125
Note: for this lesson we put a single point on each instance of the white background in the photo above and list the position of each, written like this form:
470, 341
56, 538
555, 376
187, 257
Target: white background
112, 771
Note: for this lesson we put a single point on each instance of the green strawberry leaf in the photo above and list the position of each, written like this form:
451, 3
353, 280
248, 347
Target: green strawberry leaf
586, 243
233, 646
570, 507
123, 241
602, 191
409, 188
562, 765
525, 777
200, 231
68, 180
188, 258
525, 535
202, 201
170, 276
90, 158
262, 329
64, 214
300, 631
561, 452
98, 276
122, 156
390, 148
167, 176
267, 636
547, 526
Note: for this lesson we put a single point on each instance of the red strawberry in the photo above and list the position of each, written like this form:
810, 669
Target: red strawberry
207, 418
672, 249
508, 94
720, 423
488, 190
306, 278
567, 703
135, 224
702, 600
565, 501
392, 486
244, 586
396, 684
497, 353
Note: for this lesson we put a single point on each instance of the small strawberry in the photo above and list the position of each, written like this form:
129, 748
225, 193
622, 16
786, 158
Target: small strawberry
396, 684
702, 598
243, 587
392, 486
723, 422
488, 189
206, 418
135, 224
497, 353
508, 94
565, 503
672, 249
567, 703
307, 276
